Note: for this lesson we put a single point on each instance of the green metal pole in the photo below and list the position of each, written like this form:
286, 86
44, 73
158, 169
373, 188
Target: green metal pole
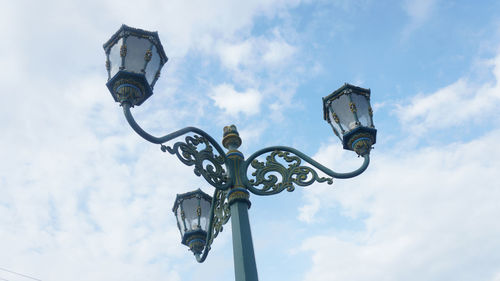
245, 268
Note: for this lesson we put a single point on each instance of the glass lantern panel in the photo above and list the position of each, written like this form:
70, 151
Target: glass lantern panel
136, 50
179, 220
153, 65
341, 107
205, 213
190, 205
362, 106
332, 120
114, 57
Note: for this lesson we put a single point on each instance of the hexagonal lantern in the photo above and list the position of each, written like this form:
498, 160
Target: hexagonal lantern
134, 58
349, 112
192, 211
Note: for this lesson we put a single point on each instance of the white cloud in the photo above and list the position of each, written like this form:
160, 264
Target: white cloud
496, 278
252, 133
187, 22
233, 55
256, 52
307, 212
419, 11
234, 102
277, 52
429, 216
461, 103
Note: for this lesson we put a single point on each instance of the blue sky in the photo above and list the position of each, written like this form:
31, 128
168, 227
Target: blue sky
85, 198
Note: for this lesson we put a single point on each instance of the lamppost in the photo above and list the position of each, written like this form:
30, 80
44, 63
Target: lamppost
134, 58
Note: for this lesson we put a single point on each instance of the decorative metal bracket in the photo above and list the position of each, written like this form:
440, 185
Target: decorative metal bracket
267, 182
188, 152
293, 174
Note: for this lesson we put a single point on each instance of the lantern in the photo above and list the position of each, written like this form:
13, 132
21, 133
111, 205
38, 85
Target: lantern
349, 112
192, 211
134, 58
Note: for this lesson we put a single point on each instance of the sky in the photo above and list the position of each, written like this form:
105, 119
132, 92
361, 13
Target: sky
85, 198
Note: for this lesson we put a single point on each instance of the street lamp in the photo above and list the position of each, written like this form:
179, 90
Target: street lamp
134, 60
349, 109
192, 211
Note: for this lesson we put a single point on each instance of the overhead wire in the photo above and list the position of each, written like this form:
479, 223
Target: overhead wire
17, 273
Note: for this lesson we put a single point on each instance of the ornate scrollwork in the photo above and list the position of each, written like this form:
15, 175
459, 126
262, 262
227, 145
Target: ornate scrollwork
267, 183
221, 216
205, 162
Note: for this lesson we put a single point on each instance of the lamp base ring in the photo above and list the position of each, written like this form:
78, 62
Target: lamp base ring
361, 143
195, 240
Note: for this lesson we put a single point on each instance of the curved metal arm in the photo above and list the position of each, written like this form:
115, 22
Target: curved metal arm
160, 140
293, 174
188, 153
219, 215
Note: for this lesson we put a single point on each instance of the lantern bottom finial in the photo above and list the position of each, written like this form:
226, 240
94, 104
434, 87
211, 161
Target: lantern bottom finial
362, 145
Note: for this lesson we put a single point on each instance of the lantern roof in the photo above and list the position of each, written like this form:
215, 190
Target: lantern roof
126, 30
